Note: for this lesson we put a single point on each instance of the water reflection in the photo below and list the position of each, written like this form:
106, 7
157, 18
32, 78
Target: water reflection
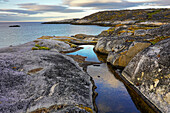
102, 75
87, 52
113, 94
141, 105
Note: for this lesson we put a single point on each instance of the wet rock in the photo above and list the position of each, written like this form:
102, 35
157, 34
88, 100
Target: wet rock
42, 80
122, 58
149, 72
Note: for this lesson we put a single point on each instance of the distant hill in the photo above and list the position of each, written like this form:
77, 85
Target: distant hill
162, 15
114, 17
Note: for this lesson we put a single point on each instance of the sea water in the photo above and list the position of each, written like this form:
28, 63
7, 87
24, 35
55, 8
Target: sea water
29, 31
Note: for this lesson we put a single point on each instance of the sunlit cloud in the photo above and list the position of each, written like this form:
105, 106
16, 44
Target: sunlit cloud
19, 11
48, 8
116, 4
16, 17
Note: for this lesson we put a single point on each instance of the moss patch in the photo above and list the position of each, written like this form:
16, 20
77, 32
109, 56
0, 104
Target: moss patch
153, 13
38, 47
73, 46
85, 108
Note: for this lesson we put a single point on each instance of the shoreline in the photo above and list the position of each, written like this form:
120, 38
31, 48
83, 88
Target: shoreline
127, 44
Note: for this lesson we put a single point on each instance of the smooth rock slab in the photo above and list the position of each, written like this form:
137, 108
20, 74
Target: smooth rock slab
149, 72
122, 58
40, 79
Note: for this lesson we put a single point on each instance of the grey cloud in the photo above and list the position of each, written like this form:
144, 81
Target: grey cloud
15, 17
116, 5
163, 2
32, 8
4, 0
48, 8
112, 5
19, 11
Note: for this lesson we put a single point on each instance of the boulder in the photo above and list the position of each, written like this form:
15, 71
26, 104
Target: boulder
42, 81
82, 36
149, 72
163, 30
122, 58
108, 44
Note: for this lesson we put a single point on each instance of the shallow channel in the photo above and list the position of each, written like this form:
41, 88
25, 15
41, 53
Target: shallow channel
113, 95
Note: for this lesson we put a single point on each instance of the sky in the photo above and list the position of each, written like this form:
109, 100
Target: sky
53, 10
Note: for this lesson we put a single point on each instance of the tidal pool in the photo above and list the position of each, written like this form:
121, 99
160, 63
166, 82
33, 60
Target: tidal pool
113, 95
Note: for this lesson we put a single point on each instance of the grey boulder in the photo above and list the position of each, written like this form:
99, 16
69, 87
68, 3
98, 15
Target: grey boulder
149, 72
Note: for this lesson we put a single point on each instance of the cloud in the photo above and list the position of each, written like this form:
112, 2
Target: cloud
19, 11
111, 5
4, 0
32, 8
48, 8
116, 4
163, 2
16, 17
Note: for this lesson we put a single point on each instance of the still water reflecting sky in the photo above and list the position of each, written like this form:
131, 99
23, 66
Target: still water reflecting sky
112, 94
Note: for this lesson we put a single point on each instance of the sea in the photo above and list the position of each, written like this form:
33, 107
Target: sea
29, 31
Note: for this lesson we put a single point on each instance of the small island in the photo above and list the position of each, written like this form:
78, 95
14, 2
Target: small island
14, 26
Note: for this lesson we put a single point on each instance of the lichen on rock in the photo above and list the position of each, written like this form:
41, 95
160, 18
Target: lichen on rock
148, 71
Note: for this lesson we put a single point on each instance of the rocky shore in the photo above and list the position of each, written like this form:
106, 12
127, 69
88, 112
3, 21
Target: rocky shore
145, 54
38, 77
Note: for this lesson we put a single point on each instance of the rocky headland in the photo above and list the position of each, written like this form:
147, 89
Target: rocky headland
148, 17
66, 21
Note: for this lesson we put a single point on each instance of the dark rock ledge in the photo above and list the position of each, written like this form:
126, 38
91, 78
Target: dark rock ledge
42, 81
145, 60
